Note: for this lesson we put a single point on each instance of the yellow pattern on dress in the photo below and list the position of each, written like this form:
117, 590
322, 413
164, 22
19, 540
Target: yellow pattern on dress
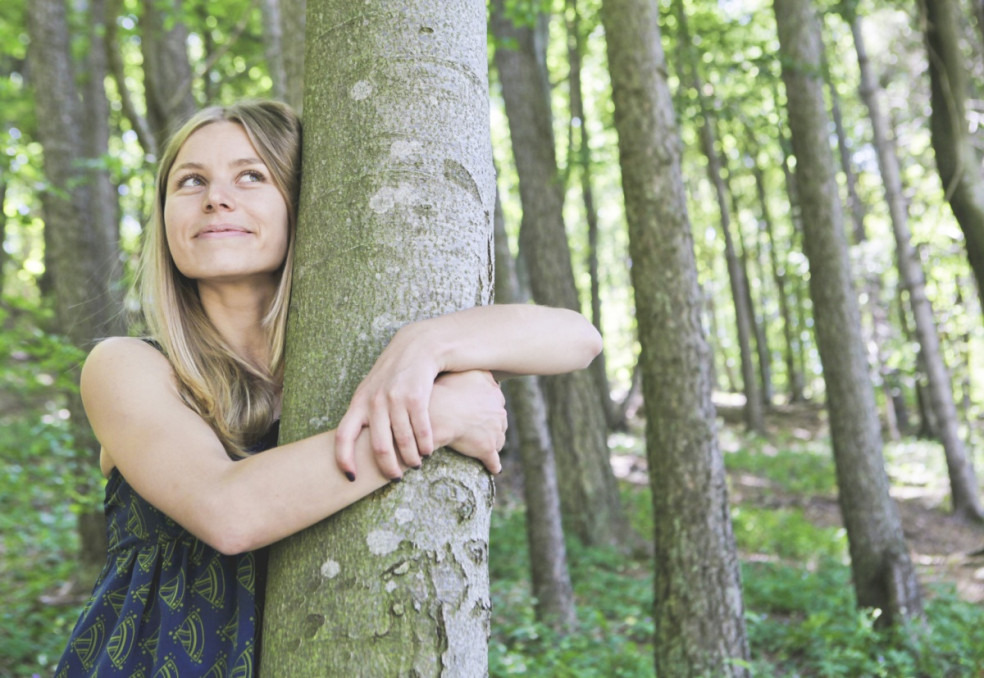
121, 643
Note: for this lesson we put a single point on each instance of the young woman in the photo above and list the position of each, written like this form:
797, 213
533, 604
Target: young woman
181, 417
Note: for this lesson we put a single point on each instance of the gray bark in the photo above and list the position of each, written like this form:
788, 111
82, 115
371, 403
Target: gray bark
884, 577
553, 594
589, 493
698, 609
114, 58
964, 489
395, 225
167, 71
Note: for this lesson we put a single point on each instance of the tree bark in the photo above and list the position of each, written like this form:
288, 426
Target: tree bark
957, 159
884, 577
589, 493
964, 488
79, 250
754, 413
114, 58
167, 71
398, 583
553, 595
699, 621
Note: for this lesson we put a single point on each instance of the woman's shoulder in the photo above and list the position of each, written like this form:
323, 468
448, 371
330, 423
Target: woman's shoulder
120, 359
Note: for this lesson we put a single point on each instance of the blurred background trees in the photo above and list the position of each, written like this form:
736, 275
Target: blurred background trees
717, 290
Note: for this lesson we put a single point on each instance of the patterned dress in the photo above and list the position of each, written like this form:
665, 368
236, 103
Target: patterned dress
166, 604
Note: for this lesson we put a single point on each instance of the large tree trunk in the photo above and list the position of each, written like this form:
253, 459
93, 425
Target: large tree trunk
80, 250
957, 159
553, 594
698, 616
884, 577
744, 320
395, 225
964, 489
167, 71
589, 493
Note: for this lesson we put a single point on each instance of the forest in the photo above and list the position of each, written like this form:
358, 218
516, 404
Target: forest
772, 212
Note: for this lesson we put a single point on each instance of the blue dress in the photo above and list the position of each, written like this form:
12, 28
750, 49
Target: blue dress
166, 604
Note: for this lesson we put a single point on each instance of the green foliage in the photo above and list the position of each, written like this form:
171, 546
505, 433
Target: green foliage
39, 493
793, 467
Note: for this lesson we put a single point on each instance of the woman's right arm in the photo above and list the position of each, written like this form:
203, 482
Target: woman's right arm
174, 460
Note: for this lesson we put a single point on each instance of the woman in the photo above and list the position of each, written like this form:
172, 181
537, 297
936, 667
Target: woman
189, 503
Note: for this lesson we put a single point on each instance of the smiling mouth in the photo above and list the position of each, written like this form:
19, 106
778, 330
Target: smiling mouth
221, 230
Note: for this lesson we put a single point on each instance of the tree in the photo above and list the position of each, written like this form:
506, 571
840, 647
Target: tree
80, 251
964, 489
550, 580
698, 615
884, 577
957, 158
399, 582
293, 14
167, 71
589, 494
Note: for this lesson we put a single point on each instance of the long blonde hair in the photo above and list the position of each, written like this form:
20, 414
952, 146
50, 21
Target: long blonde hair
237, 398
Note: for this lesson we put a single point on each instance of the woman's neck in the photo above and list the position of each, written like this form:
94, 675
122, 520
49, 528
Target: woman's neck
237, 311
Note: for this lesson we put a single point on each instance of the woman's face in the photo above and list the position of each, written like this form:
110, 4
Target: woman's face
224, 218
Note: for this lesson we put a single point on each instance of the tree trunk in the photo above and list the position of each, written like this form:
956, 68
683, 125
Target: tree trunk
957, 159
398, 583
167, 71
553, 595
589, 493
884, 577
138, 123
79, 250
963, 480
3, 231
698, 616
273, 46
754, 414
293, 13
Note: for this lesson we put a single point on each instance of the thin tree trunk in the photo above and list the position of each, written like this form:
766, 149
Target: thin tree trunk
884, 577
167, 71
575, 46
588, 490
964, 489
754, 415
3, 231
957, 159
553, 595
398, 583
273, 46
138, 123
698, 610
759, 322
293, 13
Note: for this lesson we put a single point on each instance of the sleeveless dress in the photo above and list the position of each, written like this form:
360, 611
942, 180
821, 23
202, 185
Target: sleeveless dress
166, 604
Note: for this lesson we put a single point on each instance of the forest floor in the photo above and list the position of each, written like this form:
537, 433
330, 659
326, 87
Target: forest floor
943, 548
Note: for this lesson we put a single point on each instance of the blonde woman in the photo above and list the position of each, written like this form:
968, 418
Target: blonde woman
182, 416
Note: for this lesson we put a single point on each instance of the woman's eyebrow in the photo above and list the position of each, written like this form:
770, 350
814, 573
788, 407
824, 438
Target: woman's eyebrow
235, 163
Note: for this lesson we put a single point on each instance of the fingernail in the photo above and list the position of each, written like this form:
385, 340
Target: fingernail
350, 476
398, 479
416, 467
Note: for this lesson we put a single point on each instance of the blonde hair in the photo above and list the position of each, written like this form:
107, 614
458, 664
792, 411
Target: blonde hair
237, 398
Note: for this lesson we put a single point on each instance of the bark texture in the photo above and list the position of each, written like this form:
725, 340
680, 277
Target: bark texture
293, 14
589, 494
395, 225
964, 488
553, 594
884, 577
698, 616
957, 158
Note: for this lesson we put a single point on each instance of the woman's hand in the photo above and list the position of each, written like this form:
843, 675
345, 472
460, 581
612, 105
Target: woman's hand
469, 415
392, 401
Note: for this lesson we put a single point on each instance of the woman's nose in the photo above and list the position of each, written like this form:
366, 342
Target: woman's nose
218, 197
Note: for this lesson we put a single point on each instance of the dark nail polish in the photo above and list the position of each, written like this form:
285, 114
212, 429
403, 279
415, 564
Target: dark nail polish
350, 476
398, 479
416, 467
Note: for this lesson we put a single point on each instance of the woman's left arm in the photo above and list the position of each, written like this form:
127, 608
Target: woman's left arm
504, 339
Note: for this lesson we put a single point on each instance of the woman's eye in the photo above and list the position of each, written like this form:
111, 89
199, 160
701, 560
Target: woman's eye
252, 176
190, 180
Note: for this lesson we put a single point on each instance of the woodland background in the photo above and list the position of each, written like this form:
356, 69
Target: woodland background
91, 88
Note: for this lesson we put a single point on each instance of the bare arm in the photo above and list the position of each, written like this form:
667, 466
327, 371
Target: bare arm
172, 457
506, 339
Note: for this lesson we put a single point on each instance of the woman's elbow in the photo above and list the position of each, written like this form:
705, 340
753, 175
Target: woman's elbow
589, 345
